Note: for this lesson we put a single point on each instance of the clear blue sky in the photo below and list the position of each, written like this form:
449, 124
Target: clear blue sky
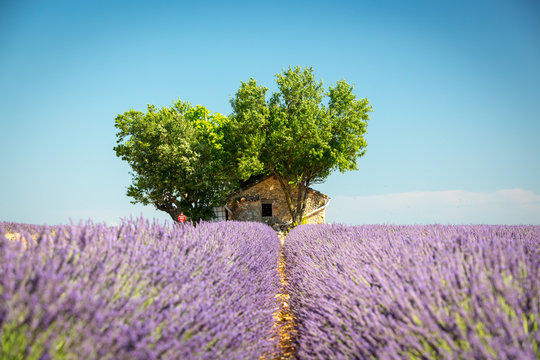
455, 87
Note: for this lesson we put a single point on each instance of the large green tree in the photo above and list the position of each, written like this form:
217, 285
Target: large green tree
177, 158
300, 134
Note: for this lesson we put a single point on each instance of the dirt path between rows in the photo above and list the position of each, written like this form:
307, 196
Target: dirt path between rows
285, 319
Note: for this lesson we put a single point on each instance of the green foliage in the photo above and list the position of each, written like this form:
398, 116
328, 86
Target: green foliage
300, 134
187, 160
17, 342
177, 157
13, 340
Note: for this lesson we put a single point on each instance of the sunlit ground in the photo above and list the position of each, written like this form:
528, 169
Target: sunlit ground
285, 320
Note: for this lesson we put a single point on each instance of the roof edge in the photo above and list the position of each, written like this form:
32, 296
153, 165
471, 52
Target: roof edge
264, 178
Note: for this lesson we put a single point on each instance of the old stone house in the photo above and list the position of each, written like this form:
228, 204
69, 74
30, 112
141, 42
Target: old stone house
263, 200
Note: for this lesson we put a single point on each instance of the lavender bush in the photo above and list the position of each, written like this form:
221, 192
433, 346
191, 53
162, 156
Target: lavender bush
11, 227
138, 291
415, 292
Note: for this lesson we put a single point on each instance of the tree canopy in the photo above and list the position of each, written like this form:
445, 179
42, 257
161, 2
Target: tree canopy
300, 134
188, 160
177, 158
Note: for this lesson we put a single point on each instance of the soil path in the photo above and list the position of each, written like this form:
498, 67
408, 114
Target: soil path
285, 319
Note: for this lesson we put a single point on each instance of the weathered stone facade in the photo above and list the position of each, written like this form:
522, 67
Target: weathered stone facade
264, 201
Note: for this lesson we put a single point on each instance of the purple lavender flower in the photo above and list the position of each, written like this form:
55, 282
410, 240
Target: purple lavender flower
138, 291
399, 292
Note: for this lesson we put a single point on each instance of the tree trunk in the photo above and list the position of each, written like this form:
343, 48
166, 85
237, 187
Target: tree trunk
287, 192
170, 208
295, 210
301, 203
174, 216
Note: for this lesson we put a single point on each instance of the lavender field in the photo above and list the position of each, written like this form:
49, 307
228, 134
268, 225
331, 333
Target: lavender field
415, 292
138, 291
147, 291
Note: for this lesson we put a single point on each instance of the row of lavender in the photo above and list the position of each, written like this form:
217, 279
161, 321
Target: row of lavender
430, 292
138, 291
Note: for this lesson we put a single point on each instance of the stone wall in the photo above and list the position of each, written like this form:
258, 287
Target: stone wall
246, 205
316, 218
246, 210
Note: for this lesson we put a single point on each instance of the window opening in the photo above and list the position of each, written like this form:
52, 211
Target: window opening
267, 210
